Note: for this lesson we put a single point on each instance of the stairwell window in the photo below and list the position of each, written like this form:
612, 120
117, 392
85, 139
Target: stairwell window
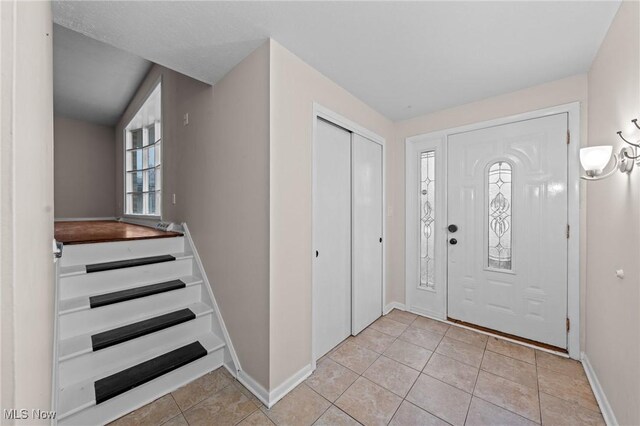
143, 158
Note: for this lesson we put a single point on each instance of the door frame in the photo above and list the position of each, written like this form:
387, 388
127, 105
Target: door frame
319, 111
573, 211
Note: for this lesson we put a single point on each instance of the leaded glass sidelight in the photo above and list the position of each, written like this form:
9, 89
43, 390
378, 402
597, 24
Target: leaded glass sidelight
500, 215
427, 218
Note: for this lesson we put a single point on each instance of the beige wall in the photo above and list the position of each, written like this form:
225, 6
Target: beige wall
294, 88
218, 167
84, 174
225, 199
613, 223
26, 206
558, 92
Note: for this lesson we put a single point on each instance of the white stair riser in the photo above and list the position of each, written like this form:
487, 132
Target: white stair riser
80, 367
142, 395
84, 254
109, 360
111, 316
118, 279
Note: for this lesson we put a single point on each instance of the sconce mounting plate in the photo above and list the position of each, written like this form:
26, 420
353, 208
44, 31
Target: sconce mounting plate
627, 157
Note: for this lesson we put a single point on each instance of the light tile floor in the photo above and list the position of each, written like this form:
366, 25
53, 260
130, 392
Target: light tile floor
401, 370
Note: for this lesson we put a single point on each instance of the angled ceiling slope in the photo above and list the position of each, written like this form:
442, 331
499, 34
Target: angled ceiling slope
402, 58
93, 81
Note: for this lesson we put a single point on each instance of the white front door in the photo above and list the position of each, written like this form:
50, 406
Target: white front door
507, 259
366, 204
332, 236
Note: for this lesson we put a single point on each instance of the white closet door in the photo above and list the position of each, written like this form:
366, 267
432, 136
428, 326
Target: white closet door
366, 176
331, 236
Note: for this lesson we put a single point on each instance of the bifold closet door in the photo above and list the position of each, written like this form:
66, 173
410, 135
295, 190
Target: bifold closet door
332, 236
367, 210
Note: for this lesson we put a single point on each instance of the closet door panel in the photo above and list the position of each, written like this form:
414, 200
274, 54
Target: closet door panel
367, 216
332, 237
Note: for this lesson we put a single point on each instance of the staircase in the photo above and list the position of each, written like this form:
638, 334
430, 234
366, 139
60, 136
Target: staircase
135, 320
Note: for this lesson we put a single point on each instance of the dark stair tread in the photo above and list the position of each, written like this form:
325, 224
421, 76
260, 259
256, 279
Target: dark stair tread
128, 263
141, 328
134, 293
125, 380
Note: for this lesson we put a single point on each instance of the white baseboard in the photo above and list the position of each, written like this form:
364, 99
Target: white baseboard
603, 402
82, 219
269, 399
231, 369
288, 385
427, 313
254, 387
393, 305
212, 297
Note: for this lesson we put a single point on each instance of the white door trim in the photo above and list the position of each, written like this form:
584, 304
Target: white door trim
573, 284
320, 111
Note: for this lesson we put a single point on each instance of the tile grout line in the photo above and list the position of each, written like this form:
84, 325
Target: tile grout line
421, 372
473, 391
499, 406
472, 394
395, 339
535, 357
404, 398
332, 404
248, 415
450, 357
179, 409
511, 357
359, 375
505, 409
177, 405
509, 379
427, 411
562, 398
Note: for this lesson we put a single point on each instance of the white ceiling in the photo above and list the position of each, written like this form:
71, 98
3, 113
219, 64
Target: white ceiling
402, 58
93, 81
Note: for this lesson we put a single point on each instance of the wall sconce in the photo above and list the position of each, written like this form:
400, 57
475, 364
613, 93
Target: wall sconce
595, 159
634, 145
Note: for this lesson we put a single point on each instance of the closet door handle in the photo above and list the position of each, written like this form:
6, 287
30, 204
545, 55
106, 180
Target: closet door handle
380, 239
317, 253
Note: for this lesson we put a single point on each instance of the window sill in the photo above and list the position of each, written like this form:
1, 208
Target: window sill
141, 218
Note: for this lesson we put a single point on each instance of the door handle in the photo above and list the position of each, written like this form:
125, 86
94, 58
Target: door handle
452, 228
453, 241
317, 253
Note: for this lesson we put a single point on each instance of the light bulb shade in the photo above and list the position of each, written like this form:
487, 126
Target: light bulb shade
595, 158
